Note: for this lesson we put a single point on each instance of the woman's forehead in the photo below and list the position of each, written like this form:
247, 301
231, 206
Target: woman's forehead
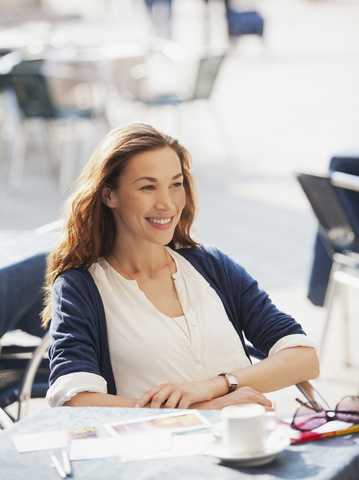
154, 163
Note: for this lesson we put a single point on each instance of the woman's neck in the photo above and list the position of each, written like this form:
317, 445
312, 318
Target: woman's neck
141, 260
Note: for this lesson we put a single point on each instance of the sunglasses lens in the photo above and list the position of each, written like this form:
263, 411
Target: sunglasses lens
309, 416
350, 404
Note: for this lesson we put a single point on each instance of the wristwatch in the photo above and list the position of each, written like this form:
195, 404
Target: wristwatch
231, 380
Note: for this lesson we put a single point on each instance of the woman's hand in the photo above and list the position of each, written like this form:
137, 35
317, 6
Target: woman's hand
240, 396
178, 395
246, 395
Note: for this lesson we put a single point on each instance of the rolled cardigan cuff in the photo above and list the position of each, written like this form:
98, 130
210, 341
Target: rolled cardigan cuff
68, 386
295, 340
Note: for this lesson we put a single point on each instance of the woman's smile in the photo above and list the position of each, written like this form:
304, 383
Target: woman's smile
161, 222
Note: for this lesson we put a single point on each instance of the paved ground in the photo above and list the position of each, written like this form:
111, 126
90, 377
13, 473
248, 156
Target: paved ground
288, 101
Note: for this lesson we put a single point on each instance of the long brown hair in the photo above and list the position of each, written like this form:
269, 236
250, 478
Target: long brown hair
88, 225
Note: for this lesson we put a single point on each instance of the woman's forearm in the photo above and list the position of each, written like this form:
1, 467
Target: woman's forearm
285, 368
92, 399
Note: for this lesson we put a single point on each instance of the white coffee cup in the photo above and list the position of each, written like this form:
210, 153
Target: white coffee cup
245, 428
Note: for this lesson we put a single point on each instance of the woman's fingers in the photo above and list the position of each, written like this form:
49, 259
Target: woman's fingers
170, 395
161, 397
173, 400
147, 397
166, 395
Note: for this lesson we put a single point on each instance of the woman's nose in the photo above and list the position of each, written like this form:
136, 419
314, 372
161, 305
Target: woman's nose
164, 201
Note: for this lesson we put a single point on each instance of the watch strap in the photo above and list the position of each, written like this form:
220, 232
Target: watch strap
231, 386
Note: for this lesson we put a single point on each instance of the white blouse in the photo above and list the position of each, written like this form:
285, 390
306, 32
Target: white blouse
148, 348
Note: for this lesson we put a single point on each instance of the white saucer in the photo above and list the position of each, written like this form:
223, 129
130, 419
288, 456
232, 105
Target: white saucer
274, 445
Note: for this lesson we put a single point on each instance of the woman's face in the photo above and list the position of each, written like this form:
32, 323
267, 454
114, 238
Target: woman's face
149, 200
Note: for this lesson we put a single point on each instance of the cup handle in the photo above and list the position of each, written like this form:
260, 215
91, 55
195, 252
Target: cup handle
271, 421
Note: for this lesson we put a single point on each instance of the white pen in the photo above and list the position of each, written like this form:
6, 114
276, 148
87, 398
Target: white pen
55, 463
66, 462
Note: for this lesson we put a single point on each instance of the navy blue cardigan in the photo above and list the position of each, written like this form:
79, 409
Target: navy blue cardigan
78, 327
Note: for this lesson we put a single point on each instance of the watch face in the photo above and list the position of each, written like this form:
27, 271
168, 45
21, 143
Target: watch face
231, 379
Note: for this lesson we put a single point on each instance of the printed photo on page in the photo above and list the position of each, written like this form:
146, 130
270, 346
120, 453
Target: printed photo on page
171, 422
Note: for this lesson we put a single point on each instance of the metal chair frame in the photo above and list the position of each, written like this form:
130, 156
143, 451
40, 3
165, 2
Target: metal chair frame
30, 374
23, 370
5, 420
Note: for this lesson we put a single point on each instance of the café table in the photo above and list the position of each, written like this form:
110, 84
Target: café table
335, 458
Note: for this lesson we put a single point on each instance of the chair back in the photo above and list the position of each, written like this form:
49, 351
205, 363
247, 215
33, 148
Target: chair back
31, 89
207, 73
334, 224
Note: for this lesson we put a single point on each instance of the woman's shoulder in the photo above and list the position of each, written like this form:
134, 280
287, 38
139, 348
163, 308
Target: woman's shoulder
76, 286
198, 251
75, 279
205, 253
211, 261
71, 274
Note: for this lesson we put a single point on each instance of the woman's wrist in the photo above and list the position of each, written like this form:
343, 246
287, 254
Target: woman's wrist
218, 387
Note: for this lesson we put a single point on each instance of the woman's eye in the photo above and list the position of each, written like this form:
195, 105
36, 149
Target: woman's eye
177, 185
148, 187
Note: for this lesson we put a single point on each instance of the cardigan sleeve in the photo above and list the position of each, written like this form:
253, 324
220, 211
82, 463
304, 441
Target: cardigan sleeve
67, 386
75, 339
261, 321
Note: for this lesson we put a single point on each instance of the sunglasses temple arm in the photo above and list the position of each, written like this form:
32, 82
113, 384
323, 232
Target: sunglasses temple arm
312, 395
316, 408
346, 412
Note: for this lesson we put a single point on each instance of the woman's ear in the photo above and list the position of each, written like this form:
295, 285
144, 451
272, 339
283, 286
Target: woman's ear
106, 196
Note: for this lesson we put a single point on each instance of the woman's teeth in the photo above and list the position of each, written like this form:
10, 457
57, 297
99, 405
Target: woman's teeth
161, 222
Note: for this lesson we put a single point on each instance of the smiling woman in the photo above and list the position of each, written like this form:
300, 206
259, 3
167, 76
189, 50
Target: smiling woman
143, 316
